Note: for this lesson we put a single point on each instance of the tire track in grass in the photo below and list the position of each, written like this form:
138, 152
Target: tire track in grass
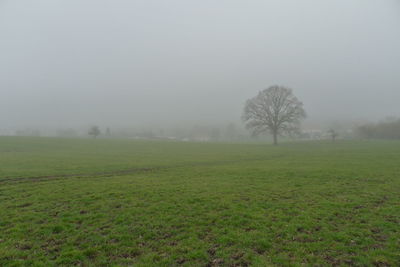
41, 178
78, 175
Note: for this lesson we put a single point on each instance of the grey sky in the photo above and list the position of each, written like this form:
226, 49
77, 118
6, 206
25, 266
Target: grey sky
72, 62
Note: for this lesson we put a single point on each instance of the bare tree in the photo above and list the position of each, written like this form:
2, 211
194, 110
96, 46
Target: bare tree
230, 131
94, 131
333, 134
275, 110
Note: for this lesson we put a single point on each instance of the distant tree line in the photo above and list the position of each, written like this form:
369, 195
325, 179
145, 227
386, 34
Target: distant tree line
389, 129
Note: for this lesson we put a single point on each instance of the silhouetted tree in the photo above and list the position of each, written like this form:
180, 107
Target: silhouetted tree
275, 110
94, 131
333, 134
230, 131
215, 134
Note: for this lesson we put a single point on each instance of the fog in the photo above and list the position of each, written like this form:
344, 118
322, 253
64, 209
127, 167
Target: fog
68, 63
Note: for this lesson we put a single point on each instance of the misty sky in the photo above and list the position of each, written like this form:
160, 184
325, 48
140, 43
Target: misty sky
76, 62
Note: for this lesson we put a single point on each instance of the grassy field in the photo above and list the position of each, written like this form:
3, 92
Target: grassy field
148, 203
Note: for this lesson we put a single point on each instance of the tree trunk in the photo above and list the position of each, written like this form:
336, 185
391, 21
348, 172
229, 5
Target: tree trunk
275, 134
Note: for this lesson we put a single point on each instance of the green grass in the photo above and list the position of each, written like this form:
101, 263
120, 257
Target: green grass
140, 203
